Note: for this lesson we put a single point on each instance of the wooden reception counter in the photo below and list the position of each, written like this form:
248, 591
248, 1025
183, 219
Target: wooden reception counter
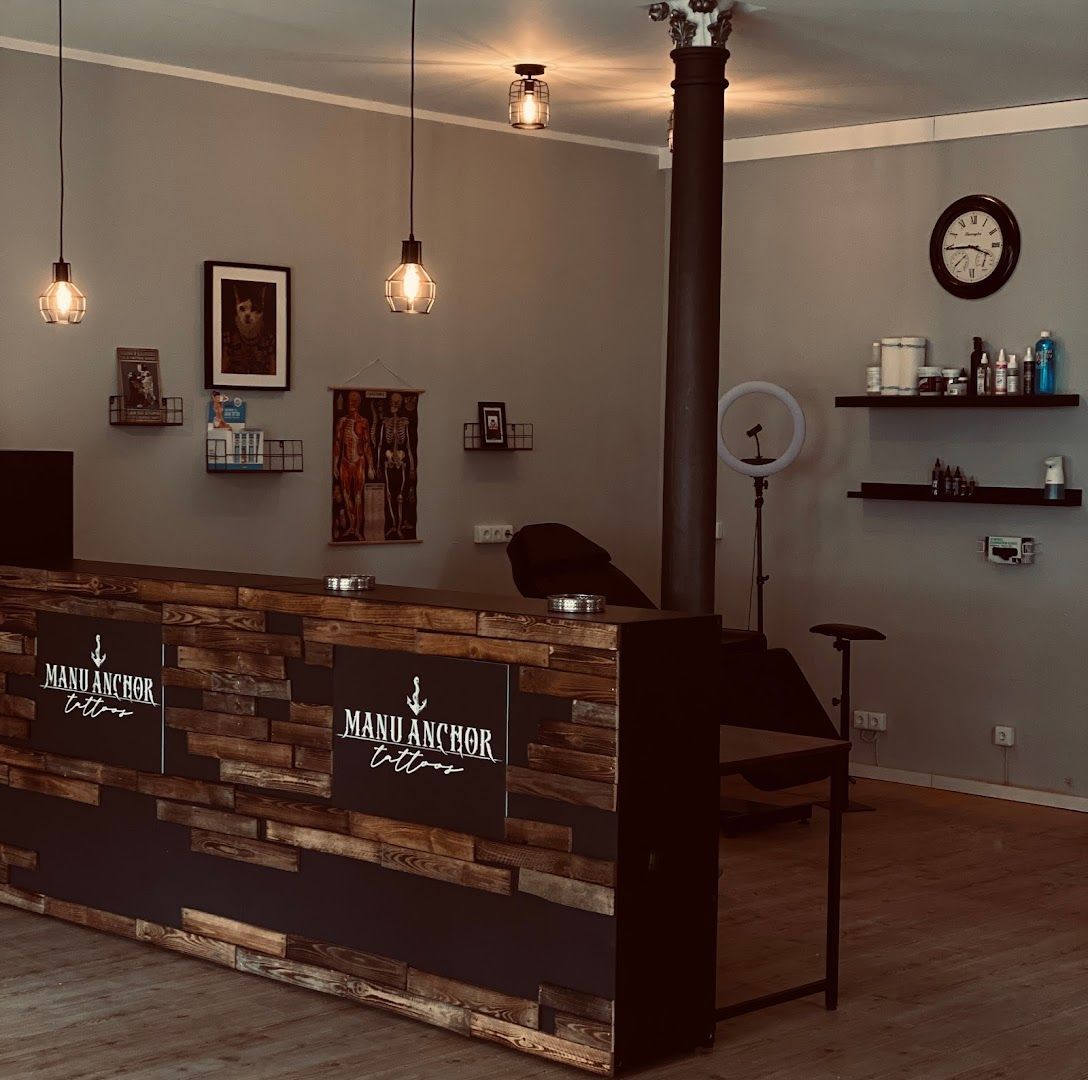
454, 807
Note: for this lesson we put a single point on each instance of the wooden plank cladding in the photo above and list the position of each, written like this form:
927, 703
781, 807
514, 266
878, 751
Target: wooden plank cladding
569, 789
550, 630
186, 592
350, 609
243, 849
567, 684
239, 663
472, 648
199, 615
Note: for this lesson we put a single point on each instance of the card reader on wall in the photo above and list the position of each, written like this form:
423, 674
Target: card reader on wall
1009, 550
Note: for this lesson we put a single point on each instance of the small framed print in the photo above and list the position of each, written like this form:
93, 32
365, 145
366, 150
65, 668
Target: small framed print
247, 326
139, 383
492, 424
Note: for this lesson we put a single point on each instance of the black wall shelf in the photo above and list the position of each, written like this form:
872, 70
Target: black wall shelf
992, 496
518, 437
277, 456
172, 414
914, 401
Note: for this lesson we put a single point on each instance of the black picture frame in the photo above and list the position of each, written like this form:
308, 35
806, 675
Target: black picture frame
1010, 252
493, 430
237, 361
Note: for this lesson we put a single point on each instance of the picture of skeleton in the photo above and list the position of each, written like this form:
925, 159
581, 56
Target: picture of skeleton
249, 327
375, 465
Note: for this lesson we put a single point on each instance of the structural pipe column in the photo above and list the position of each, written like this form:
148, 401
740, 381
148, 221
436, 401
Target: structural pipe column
694, 317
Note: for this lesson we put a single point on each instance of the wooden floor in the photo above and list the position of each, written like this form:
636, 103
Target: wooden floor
965, 956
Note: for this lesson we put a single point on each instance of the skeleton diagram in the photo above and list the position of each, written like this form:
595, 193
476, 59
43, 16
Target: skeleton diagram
352, 462
398, 467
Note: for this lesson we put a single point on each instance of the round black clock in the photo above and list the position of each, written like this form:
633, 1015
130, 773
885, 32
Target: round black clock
974, 246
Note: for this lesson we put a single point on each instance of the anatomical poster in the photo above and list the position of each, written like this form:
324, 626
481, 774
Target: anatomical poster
375, 465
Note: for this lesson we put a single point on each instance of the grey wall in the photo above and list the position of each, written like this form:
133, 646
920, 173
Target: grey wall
548, 259
824, 254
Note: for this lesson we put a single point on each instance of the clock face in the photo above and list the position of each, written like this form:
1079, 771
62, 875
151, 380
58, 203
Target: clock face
974, 246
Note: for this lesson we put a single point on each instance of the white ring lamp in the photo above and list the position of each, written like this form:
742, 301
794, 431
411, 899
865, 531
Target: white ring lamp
796, 442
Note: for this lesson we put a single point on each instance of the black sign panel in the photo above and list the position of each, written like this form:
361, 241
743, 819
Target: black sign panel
99, 693
421, 738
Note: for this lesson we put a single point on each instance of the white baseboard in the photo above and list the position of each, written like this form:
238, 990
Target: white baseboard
972, 787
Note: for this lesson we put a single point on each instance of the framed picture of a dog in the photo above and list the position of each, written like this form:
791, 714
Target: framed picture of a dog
247, 326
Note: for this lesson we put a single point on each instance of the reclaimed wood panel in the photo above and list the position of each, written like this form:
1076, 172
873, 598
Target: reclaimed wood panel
569, 789
257, 938
21, 898
561, 863
202, 817
295, 813
12, 642
564, 1000
116, 588
570, 630
17, 856
436, 1013
26, 759
301, 735
188, 592
313, 760
369, 966
227, 724
12, 664
567, 891
227, 682
203, 948
19, 622
58, 786
539, 834
594, 714
106, 921
410, 835
97, 609
442, 868
180, 789
331, 843
529, 1041
229, 703
243, 849
566, 684
490, 649
359, 635
225, 746
317, 653
354, 609
318, 715
93, 771
24, 577
593, 740
178, 615
558, 759
245, 641
267, 776
475, 999
292, 972
13, 728
601, 662
587, 1032
237, 663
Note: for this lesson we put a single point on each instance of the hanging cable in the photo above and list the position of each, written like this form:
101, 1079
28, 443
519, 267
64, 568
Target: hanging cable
60, 131
412, 135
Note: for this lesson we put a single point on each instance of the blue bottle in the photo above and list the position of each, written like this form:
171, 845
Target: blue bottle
1046, 375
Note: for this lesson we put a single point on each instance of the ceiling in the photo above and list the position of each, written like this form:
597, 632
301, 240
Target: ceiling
796, 65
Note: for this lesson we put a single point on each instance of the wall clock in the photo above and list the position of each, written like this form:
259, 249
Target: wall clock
974, 246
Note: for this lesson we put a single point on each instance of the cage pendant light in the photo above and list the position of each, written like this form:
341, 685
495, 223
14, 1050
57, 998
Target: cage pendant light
410, 290
62, 303
530, 106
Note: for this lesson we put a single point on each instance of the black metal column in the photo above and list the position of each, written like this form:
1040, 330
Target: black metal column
691, 379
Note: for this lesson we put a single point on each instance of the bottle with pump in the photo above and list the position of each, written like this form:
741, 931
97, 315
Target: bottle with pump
1029, 372
983, 377
1001, 373
1055, 478
1012, 376
1046, 375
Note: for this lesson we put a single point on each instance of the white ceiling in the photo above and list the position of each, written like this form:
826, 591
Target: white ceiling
797, 64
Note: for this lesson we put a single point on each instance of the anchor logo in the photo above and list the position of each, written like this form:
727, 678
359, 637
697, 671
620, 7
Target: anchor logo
98, 656
414, 703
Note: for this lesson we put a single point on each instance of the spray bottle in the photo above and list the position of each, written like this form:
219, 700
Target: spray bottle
1055, 478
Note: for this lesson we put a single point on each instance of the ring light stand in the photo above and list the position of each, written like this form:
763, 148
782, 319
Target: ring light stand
760, 467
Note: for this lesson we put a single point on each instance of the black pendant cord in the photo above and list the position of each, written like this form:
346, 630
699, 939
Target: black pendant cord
60, 132
412, 135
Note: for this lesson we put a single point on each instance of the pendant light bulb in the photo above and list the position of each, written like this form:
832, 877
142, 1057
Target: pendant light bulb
410, 290
62, 304
530, 106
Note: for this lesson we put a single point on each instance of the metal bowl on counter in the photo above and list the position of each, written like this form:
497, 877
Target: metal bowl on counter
576, 603
349, 582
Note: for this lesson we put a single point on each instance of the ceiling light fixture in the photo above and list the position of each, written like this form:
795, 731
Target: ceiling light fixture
530, 108
410, 290
62, 303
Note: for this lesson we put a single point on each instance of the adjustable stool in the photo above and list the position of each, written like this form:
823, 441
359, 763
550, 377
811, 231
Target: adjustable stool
844, 634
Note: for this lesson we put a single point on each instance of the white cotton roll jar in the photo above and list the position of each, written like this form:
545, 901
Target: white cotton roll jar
912, 358
889, 366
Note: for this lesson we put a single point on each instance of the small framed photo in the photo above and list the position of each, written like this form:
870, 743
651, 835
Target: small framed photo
139, 383
247, 326
492, 424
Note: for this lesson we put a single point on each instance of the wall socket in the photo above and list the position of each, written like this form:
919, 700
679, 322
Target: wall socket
1004, 736
492, 534
870, 721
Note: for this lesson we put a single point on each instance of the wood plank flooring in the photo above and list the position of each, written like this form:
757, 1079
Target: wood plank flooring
965, 958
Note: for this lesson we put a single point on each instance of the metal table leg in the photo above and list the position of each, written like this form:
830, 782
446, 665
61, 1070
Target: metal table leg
840, 779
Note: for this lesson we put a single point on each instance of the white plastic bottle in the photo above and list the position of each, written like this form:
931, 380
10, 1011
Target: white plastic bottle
984, 386
1012, 376
1001, 372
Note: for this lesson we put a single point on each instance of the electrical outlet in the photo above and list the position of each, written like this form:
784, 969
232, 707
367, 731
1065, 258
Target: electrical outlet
861, 719
719, 532
878, 721
492, 534
1004, 736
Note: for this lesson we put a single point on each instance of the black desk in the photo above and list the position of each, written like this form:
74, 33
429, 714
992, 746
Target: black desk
739, 748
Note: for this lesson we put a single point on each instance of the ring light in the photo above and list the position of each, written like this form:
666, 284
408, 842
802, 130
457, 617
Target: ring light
791, 451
